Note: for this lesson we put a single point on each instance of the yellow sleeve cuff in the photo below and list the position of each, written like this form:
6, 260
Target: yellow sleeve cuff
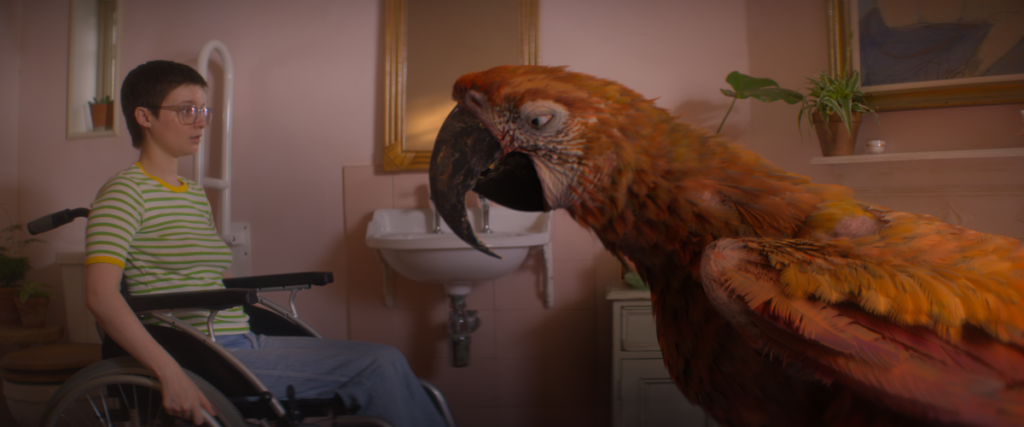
106, 260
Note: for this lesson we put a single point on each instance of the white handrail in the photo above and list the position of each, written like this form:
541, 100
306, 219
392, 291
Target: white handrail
223, 184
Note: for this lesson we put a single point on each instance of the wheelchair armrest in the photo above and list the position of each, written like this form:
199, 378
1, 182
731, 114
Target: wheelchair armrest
280, 280
220, 299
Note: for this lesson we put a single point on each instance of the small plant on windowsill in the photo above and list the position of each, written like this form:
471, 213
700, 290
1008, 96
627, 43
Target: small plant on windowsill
102, 112
833, 101
104, 100
33, 302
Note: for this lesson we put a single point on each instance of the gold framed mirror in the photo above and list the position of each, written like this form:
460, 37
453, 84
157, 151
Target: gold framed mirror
430, 43
93, 58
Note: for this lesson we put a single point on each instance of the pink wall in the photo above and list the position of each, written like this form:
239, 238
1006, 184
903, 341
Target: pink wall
308, 77
677, 52
10, 52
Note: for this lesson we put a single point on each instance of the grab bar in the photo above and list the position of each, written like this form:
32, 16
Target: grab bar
222, 184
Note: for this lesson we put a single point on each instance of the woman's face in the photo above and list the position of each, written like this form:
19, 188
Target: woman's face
168, 133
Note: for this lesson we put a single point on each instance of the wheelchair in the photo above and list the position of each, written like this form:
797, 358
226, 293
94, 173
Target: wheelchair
119, 391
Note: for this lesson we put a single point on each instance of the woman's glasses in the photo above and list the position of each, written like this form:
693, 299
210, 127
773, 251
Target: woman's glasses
189, 113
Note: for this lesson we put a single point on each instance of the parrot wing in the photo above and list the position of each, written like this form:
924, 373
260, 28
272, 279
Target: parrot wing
921, 315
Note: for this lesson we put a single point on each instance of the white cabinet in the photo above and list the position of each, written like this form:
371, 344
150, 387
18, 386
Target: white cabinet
643, 394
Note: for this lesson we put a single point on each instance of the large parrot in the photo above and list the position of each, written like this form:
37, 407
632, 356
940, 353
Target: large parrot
778, 302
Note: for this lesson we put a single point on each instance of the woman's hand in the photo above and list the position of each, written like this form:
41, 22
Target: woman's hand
182, 397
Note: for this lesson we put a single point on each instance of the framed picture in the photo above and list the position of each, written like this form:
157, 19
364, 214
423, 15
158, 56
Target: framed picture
913, 55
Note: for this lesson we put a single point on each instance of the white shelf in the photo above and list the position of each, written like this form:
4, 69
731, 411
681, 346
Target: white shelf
925, 155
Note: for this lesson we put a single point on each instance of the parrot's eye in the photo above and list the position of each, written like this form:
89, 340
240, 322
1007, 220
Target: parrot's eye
542, 116
541, 120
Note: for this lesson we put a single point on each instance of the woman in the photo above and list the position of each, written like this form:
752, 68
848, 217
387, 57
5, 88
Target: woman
155, 229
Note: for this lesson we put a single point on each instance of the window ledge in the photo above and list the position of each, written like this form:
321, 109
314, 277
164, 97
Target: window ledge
924, 155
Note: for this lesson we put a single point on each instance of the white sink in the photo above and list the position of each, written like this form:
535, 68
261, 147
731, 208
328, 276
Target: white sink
406, 241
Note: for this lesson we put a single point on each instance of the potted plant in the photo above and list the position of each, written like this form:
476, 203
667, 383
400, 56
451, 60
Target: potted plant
835, 103
13, 268
831, 104
102, 111
33, 301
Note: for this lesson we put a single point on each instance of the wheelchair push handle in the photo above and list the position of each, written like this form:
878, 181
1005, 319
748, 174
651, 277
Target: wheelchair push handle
54, 220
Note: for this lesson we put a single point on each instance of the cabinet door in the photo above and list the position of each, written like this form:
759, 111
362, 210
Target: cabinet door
650, 398
638, 330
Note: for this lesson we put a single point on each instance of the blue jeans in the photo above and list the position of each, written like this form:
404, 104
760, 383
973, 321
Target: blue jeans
375, 377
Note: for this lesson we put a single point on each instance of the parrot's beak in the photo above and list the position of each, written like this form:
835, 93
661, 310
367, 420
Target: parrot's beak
467, 156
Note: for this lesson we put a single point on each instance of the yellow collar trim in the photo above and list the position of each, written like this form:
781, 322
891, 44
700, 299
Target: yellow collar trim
175, 188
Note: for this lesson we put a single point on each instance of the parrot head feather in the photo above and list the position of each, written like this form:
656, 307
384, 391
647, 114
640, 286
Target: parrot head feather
533, 138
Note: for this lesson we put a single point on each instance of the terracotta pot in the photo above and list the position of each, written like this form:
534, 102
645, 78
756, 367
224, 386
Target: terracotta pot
833, 137
33, 311
102, 116
8, 310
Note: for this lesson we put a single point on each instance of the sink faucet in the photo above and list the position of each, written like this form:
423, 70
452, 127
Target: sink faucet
437, 216
485, 207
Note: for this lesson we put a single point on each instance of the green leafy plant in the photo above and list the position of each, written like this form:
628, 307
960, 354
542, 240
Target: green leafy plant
13, 266
830, 95
12, 270
764, 90
30, 289
104, 100
634, 281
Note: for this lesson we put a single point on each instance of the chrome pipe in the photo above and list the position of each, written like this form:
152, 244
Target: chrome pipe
294, 318
485, 208
460, 351
209, 324
437, 217
461, 324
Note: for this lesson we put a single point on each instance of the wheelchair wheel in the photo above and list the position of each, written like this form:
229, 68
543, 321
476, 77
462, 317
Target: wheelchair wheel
118, 365
122, 393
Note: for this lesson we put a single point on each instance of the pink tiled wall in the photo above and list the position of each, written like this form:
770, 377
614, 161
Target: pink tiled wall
529, 365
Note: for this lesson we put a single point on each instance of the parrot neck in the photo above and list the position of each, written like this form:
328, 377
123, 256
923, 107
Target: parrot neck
669, 196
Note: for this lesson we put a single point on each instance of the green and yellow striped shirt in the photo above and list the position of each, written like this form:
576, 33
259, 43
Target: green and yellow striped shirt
164, 238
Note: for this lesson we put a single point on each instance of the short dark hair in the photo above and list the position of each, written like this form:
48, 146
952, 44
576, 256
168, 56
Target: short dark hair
147, 86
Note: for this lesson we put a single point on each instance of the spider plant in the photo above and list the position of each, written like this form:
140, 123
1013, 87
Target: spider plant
830, 95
